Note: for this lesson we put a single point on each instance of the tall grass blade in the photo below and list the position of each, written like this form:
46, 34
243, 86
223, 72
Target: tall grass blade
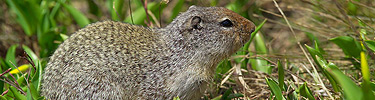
81, 19
256, 30
350, 89
21, 17
280, 70
116, 9
54, 11
29, 52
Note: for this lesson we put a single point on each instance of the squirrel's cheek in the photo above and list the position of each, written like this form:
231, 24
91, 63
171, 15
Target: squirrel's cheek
237, 39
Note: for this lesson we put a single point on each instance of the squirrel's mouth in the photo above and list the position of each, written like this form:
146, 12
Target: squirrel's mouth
245, 37
245, 33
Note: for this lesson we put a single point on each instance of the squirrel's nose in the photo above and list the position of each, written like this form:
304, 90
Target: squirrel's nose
249, 27
252, 30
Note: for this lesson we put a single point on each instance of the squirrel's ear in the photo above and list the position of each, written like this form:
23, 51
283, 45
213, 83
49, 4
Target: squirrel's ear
192, 7
195, 22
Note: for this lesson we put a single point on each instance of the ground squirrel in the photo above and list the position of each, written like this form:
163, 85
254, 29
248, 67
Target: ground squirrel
114, 60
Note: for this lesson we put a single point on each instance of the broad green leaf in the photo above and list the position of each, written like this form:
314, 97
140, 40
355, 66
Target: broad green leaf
350, 89
349, 45
34, 91
37, 78
260, 46
10, 58
28, 94
370, 44
21, 79
77, 15
306, 92
3, 98
258, 63
17, 94
275, 89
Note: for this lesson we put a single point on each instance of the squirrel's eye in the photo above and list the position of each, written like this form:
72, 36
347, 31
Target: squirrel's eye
226, 23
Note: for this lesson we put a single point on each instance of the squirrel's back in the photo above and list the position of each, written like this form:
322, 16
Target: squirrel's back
100, 59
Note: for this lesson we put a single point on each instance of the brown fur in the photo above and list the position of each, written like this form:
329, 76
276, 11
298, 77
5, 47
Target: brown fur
114, 60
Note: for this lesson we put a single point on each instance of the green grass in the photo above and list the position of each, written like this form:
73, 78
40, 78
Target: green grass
328, 55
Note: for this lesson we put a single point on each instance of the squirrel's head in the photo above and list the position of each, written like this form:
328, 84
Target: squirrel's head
210, 30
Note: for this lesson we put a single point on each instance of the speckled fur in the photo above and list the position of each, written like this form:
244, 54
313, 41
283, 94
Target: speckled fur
114, 60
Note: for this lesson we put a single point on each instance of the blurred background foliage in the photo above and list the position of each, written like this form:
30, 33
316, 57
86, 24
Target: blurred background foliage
303, 49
